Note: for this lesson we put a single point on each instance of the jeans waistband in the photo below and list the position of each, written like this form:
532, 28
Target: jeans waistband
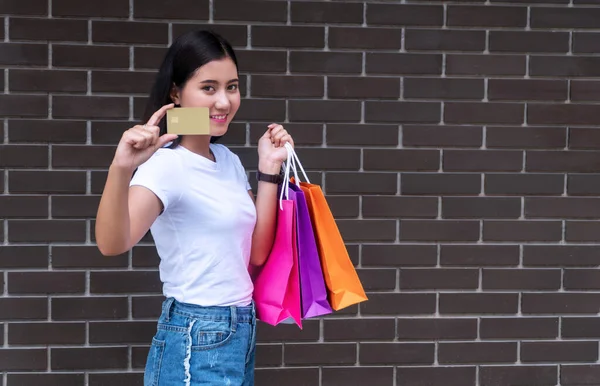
242, 314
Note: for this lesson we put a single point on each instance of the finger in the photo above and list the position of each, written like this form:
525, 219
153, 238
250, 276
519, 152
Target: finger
279, 136
159, 114
164, 139
135, 139
149, 136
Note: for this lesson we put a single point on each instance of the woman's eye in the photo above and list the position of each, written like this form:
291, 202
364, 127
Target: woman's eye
233, 87
208, 88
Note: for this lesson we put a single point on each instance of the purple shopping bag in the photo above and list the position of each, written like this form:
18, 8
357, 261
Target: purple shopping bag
312, 284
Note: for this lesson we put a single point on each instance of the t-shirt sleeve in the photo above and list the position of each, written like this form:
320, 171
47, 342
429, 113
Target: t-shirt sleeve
156, 174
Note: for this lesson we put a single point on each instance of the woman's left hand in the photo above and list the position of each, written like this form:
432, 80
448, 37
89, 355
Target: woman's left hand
271, 148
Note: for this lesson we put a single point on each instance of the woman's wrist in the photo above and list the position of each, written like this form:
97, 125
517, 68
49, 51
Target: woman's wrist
269, 167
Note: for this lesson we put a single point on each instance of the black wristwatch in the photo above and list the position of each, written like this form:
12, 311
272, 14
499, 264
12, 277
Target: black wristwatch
272, 178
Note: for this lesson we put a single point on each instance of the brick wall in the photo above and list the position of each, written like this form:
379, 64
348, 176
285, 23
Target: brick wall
457, 143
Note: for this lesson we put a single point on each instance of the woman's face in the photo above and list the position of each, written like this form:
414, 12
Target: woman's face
214, 85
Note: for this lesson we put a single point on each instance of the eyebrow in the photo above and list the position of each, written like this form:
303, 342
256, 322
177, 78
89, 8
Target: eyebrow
214, 81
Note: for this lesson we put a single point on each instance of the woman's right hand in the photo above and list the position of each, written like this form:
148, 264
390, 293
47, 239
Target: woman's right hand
141, 141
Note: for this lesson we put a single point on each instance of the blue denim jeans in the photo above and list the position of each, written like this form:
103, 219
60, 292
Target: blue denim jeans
197, 345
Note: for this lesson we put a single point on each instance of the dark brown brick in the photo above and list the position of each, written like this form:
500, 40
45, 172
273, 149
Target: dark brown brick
585, 90
121, 332
561, 256
146, 306
436, 376
129, 32
409, 112
518, 90
522, 230
524, 184
583, 184
56, 131
519, 328
560, 303
442, 136
46, 181
46, 379
481, 207
403, 63
287, 376
363, 88
46, 282
320, 353
473, 113
74, 206
124, 282
559, 351
529, 41
486, 16
399, 160
46, 231
580, 279
564, 66
409, 15
471, 65
23, 54
404, 207
479, 255
575, 375
287, 332
432, 88
444, 40
269, 355
580, 328
147, 57
122, 82
479, 160
378, 279
367, 329
23, 206
399, 304
344, 206
440, 184
309, 110
447, 230
48, 80
17, 7
489, 303
116, 379
365, 183
288, 37
477, 352
90, 107
367, 230
236, 35
436, 329
361, 134
48, 29
177, 9
21, 106
109, 8
96, 358
526, 137
566, 161
547, 207
82, 156
283, 86
341, 376
362, 38
262, 109
89, 308
438, 279
90, 56
407, 255
250, 10
582, 231
14, 256
25, 359
85, 257
512, 375
319, 62
542, 17
318, 12
22, 334
585, 42
521, 279
396, 353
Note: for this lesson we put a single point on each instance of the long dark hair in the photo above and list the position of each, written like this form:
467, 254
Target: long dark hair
188, 52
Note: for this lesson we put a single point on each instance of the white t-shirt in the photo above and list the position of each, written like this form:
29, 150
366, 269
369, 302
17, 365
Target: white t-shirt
204, 234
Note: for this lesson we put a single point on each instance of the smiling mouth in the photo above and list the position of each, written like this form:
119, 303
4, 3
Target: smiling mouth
219, 117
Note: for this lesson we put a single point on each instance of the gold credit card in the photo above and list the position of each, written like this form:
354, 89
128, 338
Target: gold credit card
188, 120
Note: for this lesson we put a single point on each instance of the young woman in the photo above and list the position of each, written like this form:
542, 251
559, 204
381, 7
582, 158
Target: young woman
194, 196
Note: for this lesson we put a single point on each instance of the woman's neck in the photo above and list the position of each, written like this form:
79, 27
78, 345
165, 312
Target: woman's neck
199, 144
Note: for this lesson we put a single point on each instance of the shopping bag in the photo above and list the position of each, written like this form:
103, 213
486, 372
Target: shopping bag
313, 293
277, 283
342, 281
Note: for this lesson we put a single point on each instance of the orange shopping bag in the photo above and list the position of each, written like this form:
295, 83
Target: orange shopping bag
343, 284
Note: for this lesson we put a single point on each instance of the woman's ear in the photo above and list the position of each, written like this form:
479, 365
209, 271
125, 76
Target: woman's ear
175, 97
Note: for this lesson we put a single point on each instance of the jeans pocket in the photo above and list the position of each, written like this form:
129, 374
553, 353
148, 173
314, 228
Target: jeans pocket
211, 334
154, 362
